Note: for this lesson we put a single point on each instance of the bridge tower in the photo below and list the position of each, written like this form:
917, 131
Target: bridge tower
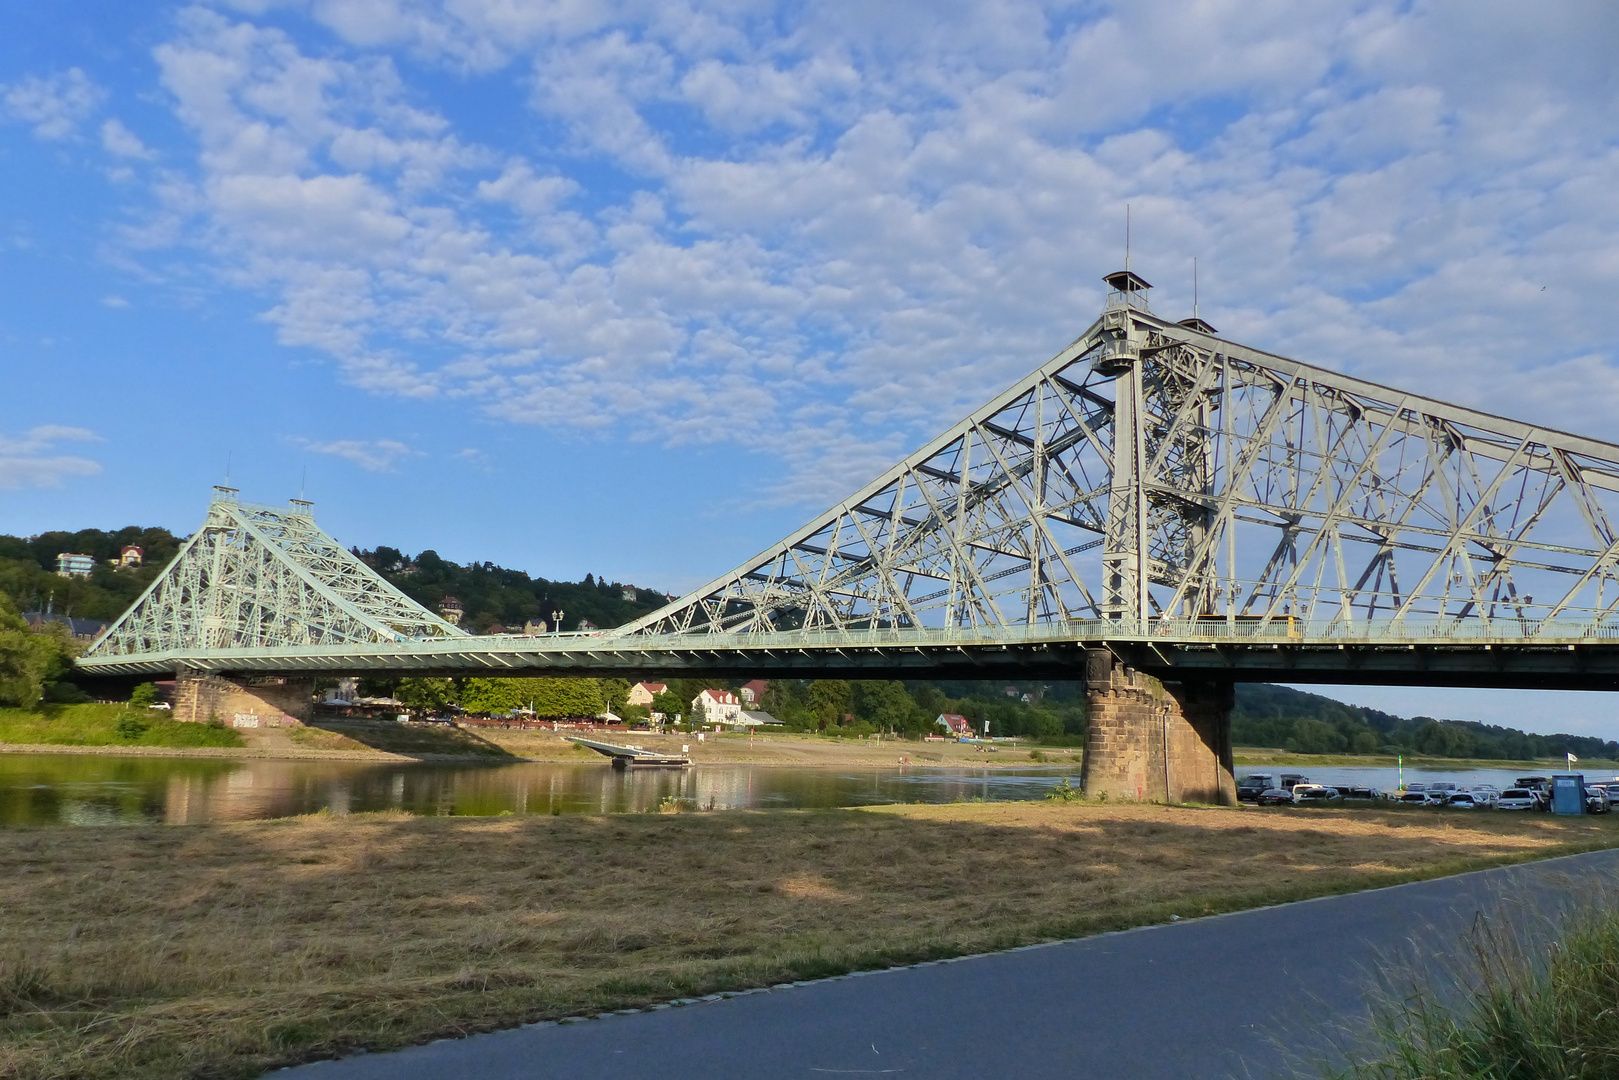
1167, 741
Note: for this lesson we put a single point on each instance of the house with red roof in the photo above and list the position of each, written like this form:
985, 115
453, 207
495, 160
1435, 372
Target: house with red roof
716, 707
955, 724
642, 693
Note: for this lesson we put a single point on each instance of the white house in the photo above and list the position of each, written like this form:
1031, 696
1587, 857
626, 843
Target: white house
642, 693
716, 707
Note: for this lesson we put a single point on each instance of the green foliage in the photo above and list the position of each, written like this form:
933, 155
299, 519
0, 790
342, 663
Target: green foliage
1064, 792
145, 694
1267, 715
30, 662
669, 704
99, 725
426, 695
829, 701
129, 726
28, 565
491, 594
1522, 1012
561, 698
886, 706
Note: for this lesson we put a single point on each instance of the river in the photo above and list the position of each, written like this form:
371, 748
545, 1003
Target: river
92, 789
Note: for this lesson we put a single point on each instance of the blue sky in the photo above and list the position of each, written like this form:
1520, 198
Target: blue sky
635, 288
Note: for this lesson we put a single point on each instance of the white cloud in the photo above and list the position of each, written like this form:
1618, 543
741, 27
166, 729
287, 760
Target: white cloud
373, 455
120, 142
114, 302
30, 460
828, 232
54, 104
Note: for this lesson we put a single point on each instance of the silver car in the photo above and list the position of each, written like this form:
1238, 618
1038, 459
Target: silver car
1517, 799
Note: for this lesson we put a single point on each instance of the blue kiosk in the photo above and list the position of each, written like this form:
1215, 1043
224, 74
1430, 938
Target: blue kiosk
1568, 793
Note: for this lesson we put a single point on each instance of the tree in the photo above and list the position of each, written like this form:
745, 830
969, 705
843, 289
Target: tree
884, 704
425, 695
493, 696
829, 701
145, 694
615, 694
669, 704
30, 662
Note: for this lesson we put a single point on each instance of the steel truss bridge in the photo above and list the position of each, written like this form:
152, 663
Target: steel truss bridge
1198, 507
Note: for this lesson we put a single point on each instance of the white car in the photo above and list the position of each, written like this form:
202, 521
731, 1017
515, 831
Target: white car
1517, 799
160, 705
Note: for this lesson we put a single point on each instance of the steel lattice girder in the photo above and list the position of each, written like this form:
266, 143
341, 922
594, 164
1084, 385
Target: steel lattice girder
260, 577
1247, 488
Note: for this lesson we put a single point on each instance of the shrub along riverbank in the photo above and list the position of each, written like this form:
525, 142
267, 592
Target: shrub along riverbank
111, 726
160, 951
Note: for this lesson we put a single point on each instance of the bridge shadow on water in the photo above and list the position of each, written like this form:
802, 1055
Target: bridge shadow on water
229, 948
428, 742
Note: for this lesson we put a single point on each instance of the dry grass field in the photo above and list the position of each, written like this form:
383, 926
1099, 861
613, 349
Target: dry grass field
171, 951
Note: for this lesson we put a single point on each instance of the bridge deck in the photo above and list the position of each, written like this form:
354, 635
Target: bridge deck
1501, 653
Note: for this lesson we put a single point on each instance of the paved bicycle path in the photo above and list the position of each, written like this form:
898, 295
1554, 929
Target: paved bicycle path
1213, 997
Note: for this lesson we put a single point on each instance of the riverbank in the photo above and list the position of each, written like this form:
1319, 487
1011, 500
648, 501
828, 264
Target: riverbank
1253, 755
389, 741
227, 949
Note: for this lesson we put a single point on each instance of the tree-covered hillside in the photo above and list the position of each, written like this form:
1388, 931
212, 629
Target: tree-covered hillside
28, 570
1287, 719
491, 594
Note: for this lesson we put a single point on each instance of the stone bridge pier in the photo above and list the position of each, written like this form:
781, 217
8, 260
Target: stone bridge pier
255, 701
1156, 740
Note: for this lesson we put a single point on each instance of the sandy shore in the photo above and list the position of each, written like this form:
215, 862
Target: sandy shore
383, 742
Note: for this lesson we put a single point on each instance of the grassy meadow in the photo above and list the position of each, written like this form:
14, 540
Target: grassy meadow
165, 951
111, 726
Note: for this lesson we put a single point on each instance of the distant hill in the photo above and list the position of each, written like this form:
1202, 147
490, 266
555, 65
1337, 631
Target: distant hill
488, 593
28, 570
491, 594
1288, 719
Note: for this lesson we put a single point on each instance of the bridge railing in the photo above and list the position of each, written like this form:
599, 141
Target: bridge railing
1429, 631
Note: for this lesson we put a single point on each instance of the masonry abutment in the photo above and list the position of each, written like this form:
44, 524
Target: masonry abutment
1156, 740
254, 701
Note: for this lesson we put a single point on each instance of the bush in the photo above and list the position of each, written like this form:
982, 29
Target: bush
1064, 792
145, 694
129, 727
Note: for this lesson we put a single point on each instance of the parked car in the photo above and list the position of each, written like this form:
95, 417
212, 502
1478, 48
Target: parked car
1291, 780
1361, 791
1274, 797
1517, 799
1463, 800
1315, 794
1414, 798
1597, 799
1250, 786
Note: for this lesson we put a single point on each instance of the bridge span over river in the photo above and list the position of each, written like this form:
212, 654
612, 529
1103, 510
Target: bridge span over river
1156, 510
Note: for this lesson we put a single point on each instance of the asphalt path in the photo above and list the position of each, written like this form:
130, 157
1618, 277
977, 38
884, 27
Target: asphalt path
1240, 995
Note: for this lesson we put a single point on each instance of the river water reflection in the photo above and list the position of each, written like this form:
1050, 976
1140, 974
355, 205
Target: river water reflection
103, 790
75, 789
